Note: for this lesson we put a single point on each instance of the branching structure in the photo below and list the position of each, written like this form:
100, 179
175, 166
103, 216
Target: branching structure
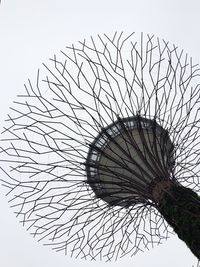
91, 148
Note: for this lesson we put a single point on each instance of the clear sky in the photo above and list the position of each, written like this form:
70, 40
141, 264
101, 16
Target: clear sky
30, 33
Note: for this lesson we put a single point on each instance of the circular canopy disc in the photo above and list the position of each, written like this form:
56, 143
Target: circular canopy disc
126, 158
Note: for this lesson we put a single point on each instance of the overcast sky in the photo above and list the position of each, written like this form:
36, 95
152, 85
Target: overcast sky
30, 33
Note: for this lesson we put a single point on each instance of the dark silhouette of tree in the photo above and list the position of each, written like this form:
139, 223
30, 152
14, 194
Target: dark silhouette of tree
101, 154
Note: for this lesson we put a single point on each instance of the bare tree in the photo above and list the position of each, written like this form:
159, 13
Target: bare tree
101, 154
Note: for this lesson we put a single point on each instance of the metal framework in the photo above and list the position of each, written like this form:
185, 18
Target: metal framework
49, 150
128, 159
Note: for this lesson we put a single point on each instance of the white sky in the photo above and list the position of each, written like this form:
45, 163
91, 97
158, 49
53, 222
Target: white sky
30, 33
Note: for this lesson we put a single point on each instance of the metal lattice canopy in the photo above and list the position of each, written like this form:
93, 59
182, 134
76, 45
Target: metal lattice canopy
85, 145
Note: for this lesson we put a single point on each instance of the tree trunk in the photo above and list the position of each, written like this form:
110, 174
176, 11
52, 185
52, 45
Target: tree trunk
180, 207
